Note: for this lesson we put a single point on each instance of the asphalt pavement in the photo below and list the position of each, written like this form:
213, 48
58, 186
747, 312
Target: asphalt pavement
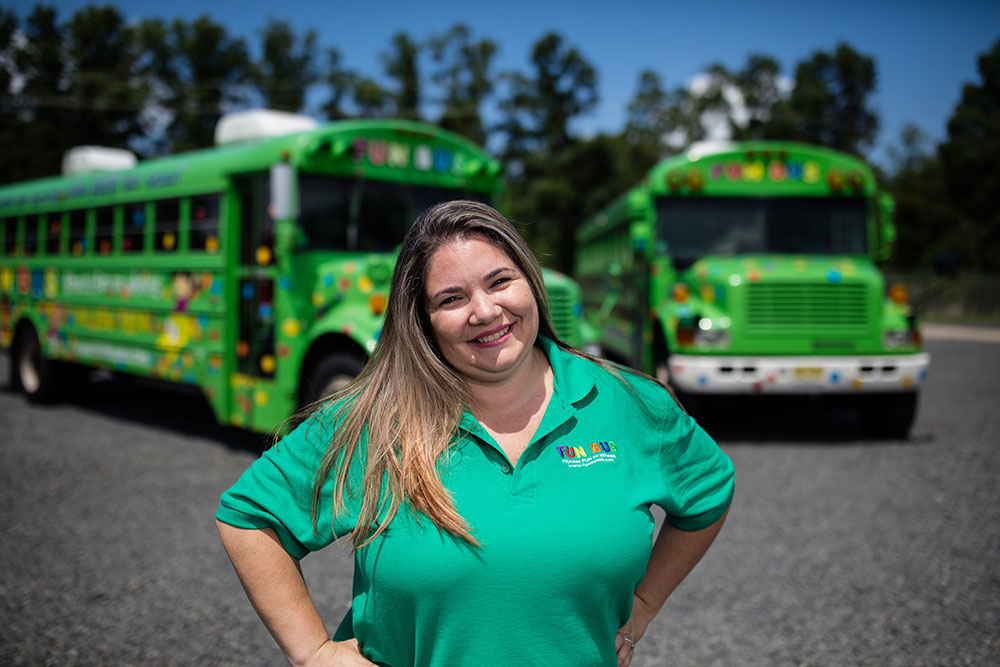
838, 550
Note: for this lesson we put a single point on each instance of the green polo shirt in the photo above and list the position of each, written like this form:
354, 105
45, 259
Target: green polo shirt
565, 534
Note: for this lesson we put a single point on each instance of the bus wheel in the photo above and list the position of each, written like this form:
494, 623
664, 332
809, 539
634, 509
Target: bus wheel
889, 416
331, 374
36, 375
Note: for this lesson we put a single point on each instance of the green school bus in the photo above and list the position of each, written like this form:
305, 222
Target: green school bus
256, 270
750, 268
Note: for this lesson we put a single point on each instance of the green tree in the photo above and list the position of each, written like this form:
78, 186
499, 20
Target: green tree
541, 107
32, 133
199, 72
546, 161
649, 113
463, 72
371, 99
760, 91
340, 82
924, 213
287, 66
969, 158
401, 65
829, 103
105, 90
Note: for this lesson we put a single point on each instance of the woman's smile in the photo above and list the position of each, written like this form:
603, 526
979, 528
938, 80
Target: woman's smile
494, 337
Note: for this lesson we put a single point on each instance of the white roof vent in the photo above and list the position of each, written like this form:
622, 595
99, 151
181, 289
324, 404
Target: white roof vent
700, 149
83, 160
259, 124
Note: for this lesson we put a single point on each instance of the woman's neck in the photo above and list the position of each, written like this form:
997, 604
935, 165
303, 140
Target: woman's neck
524, 393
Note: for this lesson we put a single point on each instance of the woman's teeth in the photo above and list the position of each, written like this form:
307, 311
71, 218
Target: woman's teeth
492, 337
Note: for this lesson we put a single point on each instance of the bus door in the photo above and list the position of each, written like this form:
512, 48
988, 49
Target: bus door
256, 403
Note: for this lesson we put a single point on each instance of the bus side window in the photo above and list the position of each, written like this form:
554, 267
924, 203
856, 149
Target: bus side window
78, 232
53, 234
134, 229
104, 230
205, 223
31, 235
167, 221
10, 237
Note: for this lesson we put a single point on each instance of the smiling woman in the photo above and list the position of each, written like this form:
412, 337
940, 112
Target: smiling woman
451, 460
481, 309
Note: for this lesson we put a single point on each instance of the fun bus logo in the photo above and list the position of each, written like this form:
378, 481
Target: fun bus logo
595, 452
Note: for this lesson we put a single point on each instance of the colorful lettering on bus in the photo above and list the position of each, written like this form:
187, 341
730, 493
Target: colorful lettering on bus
256, 271
750, 268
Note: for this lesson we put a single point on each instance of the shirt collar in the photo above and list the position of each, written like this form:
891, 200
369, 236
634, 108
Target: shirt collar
572, 381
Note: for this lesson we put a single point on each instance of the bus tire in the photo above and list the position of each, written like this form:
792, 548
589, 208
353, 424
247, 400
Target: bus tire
331, 374
32, 372
889, 416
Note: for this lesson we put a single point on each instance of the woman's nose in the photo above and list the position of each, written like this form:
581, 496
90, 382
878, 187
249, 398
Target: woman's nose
484, 309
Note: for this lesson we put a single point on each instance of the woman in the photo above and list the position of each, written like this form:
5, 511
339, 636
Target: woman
496, 485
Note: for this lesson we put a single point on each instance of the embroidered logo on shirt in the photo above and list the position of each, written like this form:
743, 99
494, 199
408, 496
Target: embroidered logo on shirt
595, 452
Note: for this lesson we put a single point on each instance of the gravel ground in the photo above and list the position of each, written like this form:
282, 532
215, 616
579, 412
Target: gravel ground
838, 550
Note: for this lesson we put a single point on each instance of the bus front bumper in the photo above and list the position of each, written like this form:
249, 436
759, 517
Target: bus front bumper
698, 374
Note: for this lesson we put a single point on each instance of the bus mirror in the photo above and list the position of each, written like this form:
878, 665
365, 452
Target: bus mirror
282, 192
886, 224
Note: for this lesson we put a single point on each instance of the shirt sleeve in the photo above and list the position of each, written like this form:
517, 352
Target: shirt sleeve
276, 492
698, 477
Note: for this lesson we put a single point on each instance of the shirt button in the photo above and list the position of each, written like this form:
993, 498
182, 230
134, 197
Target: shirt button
506, 468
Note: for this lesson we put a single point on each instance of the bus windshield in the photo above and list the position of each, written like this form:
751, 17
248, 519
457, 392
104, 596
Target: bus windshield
692, 228
364, 215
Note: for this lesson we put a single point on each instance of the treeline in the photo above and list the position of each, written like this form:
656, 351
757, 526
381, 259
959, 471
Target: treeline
160, 86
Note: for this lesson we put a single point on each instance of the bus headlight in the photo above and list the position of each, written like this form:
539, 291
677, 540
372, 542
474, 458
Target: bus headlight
901, 338
708, 333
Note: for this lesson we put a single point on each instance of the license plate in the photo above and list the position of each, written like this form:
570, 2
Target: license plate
808, 373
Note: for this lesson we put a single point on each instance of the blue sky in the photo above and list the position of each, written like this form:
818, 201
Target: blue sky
924, 51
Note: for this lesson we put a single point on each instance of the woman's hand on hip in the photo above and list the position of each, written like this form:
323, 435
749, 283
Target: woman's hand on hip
339, 654
633, 630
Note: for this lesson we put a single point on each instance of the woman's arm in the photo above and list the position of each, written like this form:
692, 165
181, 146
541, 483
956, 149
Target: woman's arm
273, 581
674, 555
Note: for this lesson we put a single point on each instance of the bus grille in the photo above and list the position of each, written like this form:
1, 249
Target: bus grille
819, 308
561, 311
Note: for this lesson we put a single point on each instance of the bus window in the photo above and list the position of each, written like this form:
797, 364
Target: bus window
78, 232
134, 230
31, 235
167, 222
384, 216
373, 216
53, 234
10, 237
324, 209
104, 230
205, 223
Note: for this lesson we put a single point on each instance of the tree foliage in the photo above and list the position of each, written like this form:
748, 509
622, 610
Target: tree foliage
463, 72
160, 86
971, 170
198, 72
401, 66
829, 102
287, 67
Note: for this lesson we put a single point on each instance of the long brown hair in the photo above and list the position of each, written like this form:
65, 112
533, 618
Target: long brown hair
407, 401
